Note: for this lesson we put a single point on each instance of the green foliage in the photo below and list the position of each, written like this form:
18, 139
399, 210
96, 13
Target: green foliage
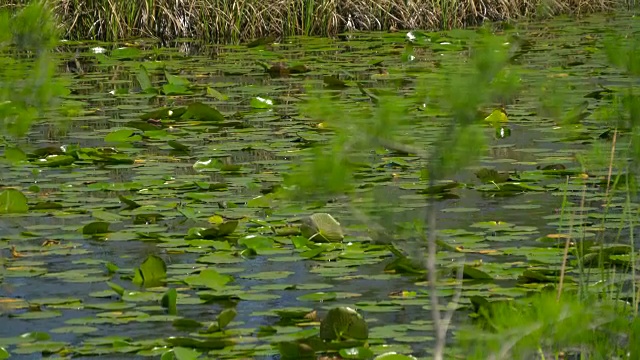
33, 28
624, 52
488, 81
328, 174
27, 83
464, 146
372, 126
595, 323
542, 325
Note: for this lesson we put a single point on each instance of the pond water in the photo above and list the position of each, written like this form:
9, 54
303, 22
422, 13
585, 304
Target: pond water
178, 173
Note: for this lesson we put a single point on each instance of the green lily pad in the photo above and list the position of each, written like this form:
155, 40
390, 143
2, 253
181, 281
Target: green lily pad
96, 228
261, 103
321, 227
13, 201
225, 317
343, 323
55, 161
208, 278
169, 301
122, 135
182, 353
202, 112
35, 315
152, 272
318, 296
474, 273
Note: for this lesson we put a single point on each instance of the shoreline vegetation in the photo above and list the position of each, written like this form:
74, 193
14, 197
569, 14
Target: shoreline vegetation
229, 21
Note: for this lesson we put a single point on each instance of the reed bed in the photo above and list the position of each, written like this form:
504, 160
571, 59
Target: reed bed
233, 21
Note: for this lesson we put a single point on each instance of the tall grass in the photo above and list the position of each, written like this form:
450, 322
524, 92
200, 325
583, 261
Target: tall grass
239, 20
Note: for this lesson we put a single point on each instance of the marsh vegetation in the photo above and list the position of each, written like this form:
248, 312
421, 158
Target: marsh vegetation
462, 194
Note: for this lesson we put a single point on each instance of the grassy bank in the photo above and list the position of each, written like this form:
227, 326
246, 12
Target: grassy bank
240, 20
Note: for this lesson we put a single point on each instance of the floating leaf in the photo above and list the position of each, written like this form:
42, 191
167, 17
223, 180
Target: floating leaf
126, 53
374, 98
96, 228
152, 272
261, 41
130, 203
261, 103
202, 112
176, 80
491, 176
219, 230
322, 227
290, 350
172, 89
13, 201
178, 146
334, 83
14, 154
360, 353
211, 92
225, 317
343, 323
496, 117
164, 113
106, 216
208, 278
143, 79
183, 353
122, 135
439, 189
115, 287
299, 69
169, 300
404, 265
37, 315
318, 296
56, 160
256, 242
470, 272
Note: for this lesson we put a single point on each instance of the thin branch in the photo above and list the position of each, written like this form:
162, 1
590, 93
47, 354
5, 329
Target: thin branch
432, 277
613, 151
456, 299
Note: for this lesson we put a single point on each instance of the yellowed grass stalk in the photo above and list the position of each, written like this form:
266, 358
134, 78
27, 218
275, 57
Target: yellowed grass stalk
241, 20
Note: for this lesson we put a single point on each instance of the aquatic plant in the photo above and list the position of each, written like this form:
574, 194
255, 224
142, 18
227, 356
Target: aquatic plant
234, 21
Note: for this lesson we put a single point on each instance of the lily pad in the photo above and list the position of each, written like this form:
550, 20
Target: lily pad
343, 323
322, 227
152, 272
13, 201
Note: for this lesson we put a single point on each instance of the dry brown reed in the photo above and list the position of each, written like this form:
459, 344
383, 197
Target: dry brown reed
232, 21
